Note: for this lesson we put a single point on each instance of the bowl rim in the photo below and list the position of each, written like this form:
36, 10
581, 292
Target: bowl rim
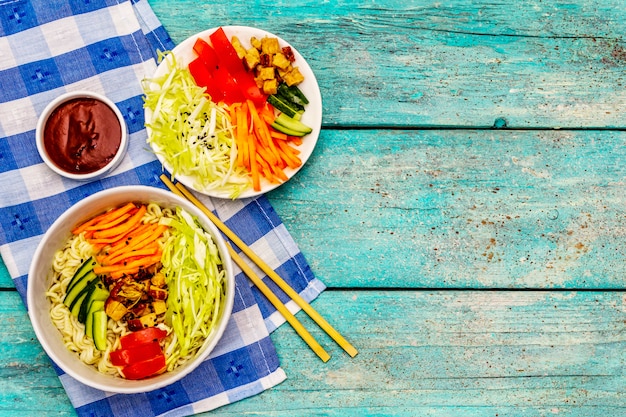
47, 111
42, 323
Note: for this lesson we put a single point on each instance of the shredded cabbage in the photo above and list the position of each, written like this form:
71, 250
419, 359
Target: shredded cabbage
191, 133
195, 279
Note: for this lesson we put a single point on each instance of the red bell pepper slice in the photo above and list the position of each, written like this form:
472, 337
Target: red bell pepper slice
228, 58
203, 78
231, 93
220, 84
144, 369
207, 54
124, 357
143, 336
226, 52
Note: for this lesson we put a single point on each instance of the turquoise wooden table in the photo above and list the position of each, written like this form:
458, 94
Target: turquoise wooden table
465, 206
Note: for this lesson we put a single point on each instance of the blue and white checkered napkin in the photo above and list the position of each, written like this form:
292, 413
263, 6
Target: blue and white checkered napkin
49, 47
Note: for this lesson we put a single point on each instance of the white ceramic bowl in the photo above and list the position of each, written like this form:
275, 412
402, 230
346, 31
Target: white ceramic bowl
49, 159
39, 280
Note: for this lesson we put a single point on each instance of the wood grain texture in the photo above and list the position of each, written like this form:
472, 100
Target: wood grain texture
458, 63
431, 353
461, 208
413, 210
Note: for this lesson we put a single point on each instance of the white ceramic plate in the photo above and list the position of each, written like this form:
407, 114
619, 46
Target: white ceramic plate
312, 116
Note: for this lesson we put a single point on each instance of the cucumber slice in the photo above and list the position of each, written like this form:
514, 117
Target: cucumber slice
297, 94
81, 295
283, 106
286, 130
99, 330
84, 295
78, 288
82, 270
95, 305
290, 126
97, 293
293, 95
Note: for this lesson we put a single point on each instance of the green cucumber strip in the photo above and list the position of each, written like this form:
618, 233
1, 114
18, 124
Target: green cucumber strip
282, 106
98, 292
82, 270
94, 306
292, 124
99, 331
78, 288
286, 130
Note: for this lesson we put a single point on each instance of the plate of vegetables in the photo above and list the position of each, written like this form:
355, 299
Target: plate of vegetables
233, 112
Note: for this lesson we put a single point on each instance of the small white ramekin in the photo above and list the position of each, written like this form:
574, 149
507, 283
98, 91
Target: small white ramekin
41, 124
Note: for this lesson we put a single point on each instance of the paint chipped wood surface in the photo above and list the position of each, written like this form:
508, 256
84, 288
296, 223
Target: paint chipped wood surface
465, 207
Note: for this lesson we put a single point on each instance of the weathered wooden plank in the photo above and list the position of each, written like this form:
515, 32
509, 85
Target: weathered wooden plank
458, 353
461, 209
471, 353
399, 63
454, 208
28, 384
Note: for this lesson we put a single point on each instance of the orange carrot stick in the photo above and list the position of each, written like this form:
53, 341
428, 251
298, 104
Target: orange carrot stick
137, 242
254, 169
288, 155
263, 132
119, 273
278, 135
296, 140
143, 262
114, 222
105, 217
265, 169
128, 237
242, 134
124, 227
145, 251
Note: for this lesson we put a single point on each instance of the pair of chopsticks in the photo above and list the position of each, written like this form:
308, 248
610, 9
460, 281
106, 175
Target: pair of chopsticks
180, 190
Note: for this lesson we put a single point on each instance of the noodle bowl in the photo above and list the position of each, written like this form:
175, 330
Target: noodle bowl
62, 336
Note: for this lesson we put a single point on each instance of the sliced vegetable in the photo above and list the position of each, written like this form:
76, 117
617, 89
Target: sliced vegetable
290, 126
228, 58
99, 334
195, 280
292, 94
285, 107
145, 368
123, 357
85, 268
93, 307
141, 337
191, 133
78, 289
98, 292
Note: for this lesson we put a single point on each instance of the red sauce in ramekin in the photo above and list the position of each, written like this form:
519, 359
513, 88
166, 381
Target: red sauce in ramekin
82, 135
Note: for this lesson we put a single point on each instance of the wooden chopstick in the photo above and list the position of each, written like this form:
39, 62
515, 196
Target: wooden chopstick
330, 330
265, 290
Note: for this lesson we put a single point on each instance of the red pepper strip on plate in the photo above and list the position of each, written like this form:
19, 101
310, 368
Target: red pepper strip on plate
228, 58
144, 369
203, 77
124, 357
208, 72
207, 54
